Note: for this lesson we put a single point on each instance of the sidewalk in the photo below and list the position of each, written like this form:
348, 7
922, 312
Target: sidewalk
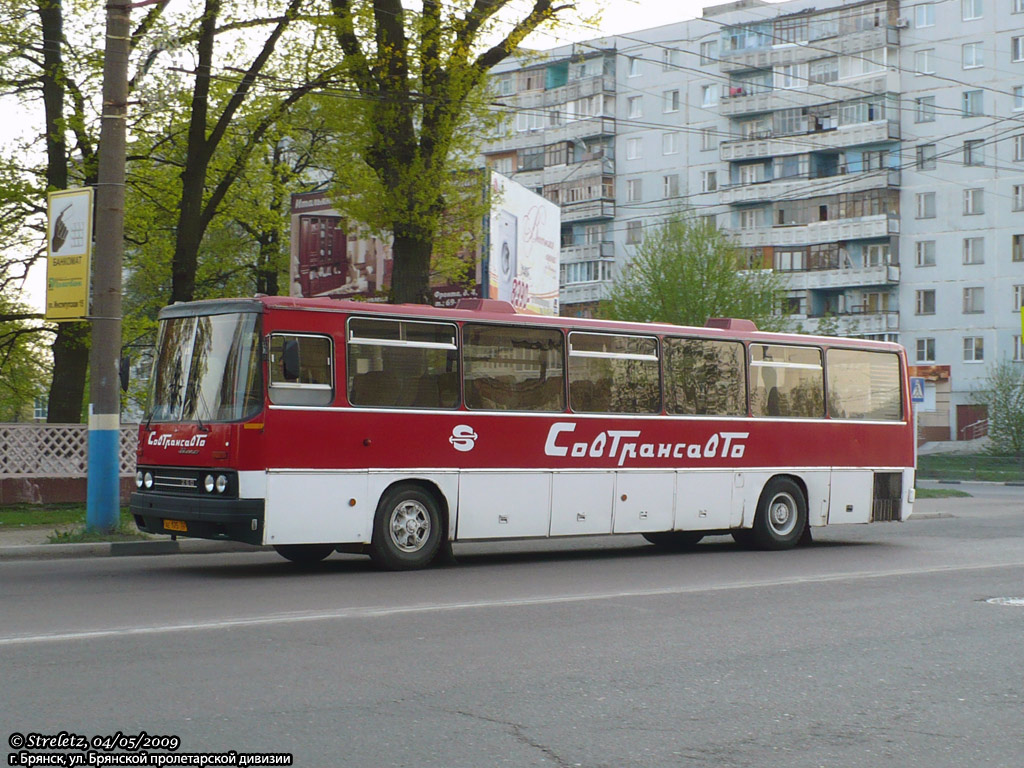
31, 543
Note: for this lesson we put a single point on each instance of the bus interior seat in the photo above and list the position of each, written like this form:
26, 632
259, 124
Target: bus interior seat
375, 388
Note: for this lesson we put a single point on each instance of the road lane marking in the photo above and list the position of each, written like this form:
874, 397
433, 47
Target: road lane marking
519, 602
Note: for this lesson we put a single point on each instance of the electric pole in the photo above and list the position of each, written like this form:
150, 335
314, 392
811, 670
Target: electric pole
103, 502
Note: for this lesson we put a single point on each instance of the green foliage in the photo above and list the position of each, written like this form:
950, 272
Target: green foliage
685, 271
1003, 394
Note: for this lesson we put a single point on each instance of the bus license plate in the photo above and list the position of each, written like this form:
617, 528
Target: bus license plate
175, 525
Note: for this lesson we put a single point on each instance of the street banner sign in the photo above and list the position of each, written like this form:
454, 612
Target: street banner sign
916, 389
69, 248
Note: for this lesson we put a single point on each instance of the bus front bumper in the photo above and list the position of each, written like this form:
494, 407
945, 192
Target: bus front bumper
201, 518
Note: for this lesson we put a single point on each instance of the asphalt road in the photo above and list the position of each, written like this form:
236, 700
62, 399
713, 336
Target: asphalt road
873, 647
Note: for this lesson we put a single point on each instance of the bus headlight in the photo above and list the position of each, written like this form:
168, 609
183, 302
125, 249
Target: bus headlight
138, 479
147, 480
222, 483
208, 483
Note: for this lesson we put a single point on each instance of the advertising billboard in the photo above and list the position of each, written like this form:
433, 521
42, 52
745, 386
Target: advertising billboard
524, 236
69, 248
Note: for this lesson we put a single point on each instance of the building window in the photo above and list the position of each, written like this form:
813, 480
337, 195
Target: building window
1018, 6
634, 66
790, 76
1018, 297
924, 302
923, 61
634, 232
636, 106
708, 52
40, 407
1017, 48
974, 201
1018, 248
707, 138
634, 149
974, 152
971, 9
926, 157
1018, 197
1018, 98
974, 301
671, 101
670, 185
749, 218
924, 111
670, 142
708, 95
925, 250
708, 181
925, 205
1018, 147
924, 15
974, 250
926, 350
974, 349
634, 191
1018, 350
973, 103
877, 255
669, 59
972, 55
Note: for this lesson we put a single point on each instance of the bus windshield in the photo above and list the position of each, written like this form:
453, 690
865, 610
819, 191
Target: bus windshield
207, 369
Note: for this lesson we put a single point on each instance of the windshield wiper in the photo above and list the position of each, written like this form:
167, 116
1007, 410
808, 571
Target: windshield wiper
202, 402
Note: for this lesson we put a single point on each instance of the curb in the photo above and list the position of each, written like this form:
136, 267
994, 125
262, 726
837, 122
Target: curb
124, 549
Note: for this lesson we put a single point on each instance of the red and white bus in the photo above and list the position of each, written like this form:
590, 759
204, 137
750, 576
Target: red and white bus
316, 424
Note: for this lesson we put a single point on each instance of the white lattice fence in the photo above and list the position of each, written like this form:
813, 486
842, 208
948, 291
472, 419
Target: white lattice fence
55, 450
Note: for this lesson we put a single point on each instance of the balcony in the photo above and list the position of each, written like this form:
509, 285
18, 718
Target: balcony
579, 89
584, 293
859, 277
790, 189
742, 103
596, 164
856, 323
855, 42
588, 209
875, 132
589, 252
863, 228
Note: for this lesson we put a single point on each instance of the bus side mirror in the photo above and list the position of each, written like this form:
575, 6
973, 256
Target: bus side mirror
290, 359
125, 372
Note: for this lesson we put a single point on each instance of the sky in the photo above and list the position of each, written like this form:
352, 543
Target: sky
616, 17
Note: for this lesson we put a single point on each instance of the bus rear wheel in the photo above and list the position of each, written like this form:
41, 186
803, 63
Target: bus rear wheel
304, 554
406, 529
781, 515
674, 540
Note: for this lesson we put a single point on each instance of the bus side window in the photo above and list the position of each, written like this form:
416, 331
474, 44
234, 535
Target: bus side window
786, 381
402, 363
863, 385
705, 377
511, 368
301, 369
609, 373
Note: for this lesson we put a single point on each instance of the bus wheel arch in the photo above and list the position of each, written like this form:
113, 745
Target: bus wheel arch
409, 526
781, 518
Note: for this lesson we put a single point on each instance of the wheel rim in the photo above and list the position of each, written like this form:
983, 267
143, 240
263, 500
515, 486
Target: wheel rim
410, 526
782, 514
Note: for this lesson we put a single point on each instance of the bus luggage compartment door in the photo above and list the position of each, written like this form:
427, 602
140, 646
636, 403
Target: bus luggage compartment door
316, 506
504, 505
644, 501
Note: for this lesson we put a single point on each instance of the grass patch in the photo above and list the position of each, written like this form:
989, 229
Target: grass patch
126, 531
40, 515
941, 493
980, 466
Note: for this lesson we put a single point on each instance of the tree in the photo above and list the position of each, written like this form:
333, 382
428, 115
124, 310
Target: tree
1003, 394
420, 81
686, 270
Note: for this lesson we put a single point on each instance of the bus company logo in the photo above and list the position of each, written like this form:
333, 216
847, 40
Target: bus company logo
158, 440
623, 444
463, 438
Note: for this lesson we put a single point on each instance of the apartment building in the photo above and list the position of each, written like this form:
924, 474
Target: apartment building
873, 152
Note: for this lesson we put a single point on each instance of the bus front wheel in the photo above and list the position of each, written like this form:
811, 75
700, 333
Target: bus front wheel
406, 529
781, 515
304, 554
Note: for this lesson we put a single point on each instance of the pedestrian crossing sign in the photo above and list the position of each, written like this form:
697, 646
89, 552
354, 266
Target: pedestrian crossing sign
916, 389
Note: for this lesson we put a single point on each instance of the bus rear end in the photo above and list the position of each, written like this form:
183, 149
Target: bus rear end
203, 425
